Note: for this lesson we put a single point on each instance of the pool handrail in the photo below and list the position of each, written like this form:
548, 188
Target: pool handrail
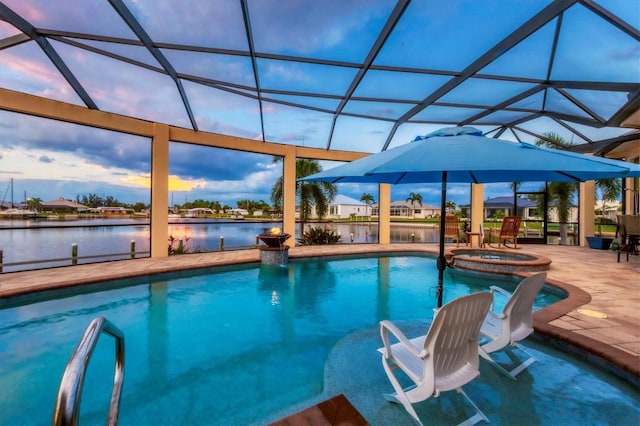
68, 400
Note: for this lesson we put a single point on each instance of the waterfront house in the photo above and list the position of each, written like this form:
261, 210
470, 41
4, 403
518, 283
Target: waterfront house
404, 209
61, 205
343, 207
527, 209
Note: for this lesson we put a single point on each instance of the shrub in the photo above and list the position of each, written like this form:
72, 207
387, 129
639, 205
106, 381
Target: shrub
319, 235
181, 247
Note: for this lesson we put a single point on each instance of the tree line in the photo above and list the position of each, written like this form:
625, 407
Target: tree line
94, 201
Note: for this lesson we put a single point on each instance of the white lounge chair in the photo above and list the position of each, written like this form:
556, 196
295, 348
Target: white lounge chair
513, 324
446, 358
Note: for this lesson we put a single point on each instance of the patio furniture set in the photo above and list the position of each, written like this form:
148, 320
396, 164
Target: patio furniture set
447, 356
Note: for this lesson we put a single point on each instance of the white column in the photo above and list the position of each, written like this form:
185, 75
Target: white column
477, 206
160, 191
289, 195
384, 213
586, 214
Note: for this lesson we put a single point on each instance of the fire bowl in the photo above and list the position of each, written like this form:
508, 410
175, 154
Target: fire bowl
273, 240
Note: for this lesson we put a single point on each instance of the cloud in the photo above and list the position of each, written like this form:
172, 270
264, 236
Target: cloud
305, 27
176, 183
191, 162
27, 69
40, 148
51, 189
629, 53
97, 146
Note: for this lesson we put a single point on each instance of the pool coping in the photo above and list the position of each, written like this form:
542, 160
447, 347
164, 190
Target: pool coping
623, 364
533, 263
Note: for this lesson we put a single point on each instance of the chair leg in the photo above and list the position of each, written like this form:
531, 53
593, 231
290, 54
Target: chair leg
476, 418
399, 397
516, 370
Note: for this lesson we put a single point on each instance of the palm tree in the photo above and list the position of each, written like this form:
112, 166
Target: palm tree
34, 203
367, 199
515, 186
450, 206
560, 196
560, 193
609, 190
308, 194
413, 199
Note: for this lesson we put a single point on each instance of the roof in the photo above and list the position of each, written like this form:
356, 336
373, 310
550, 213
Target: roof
505, 201
344, 200
404, 203
508, 201
315, 74
61, 202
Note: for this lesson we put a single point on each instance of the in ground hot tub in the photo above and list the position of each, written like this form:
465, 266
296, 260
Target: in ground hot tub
498, 261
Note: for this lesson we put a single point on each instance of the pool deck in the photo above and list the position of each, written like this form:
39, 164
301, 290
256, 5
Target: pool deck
600, 317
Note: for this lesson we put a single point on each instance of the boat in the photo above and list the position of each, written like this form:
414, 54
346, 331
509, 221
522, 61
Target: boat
17, 213
13, 212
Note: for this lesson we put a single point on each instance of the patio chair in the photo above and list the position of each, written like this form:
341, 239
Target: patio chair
513, 324
509, 230
628, 230
446, 358
452, 228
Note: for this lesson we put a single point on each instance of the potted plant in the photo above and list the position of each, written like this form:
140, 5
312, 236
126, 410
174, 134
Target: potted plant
599, 243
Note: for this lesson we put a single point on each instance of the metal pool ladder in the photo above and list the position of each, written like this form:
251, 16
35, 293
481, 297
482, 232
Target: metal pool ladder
70, 391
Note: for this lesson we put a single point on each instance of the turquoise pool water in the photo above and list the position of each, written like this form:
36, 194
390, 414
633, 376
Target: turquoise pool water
239, 345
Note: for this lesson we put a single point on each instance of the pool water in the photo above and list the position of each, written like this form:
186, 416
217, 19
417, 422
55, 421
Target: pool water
234, 345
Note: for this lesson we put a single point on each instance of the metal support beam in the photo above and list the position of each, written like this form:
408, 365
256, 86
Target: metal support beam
524, 31
254, 64
137, 29
395, 16
28, 29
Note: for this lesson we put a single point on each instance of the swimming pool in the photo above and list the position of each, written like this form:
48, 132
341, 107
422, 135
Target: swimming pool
234, 345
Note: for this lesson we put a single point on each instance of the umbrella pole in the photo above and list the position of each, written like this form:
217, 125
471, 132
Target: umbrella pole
442, 262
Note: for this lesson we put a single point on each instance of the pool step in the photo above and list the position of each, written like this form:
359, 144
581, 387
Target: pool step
335, 411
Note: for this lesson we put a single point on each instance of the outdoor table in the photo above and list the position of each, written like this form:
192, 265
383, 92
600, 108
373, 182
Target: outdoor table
470, 236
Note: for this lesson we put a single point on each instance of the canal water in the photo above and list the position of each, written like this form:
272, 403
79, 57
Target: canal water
39, 242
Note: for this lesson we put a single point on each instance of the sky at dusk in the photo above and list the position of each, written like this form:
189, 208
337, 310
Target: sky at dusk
49, 159
65, 160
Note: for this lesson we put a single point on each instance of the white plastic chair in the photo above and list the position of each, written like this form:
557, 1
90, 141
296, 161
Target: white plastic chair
513, 324
446, 358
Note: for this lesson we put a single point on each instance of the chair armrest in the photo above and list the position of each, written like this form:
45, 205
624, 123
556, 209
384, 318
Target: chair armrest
495, 289
494, 315
492, 324
386, 327
500, 290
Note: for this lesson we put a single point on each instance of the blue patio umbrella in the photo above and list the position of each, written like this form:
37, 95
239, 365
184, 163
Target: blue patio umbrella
464, 155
